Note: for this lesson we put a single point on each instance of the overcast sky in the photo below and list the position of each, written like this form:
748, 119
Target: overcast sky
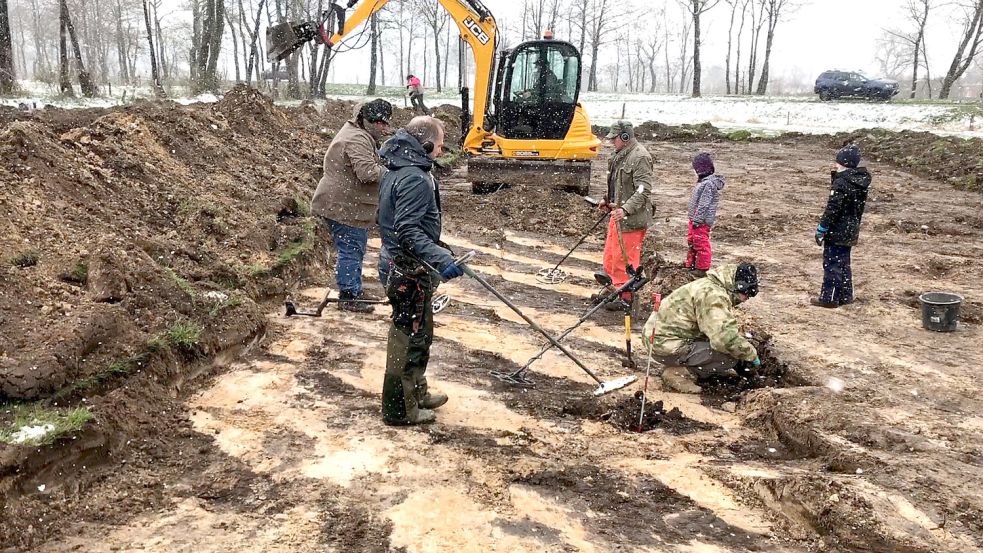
820, 35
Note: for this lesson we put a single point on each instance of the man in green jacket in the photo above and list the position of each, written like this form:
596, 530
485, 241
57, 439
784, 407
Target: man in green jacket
694, 333
629, 200
347, 196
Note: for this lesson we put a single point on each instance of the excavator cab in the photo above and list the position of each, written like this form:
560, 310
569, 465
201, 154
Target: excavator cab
539, 88
539, 133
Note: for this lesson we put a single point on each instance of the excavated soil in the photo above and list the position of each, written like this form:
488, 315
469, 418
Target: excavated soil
861, 432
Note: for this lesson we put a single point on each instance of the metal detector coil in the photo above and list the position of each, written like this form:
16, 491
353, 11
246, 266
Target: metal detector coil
551, 276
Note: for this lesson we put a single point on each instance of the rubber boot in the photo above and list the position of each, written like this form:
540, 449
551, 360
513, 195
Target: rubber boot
431, 400
354, 307
679, 379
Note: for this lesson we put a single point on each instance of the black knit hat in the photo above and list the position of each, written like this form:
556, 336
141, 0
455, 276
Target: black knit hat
376, 111
746, 280
849, 156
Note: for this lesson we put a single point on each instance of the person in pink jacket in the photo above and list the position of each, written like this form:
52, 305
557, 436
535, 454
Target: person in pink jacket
416, 94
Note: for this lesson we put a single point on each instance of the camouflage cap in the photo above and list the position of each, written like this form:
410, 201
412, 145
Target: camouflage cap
619, 127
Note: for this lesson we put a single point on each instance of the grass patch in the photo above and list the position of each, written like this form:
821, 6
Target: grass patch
35, 424
303, 207
181, 283
79, 273
25, 259
293, 250
117, 369
296, 248
183, 335
255, 270
232, 301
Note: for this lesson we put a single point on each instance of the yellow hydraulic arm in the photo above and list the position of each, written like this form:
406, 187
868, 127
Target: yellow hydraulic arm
477, 27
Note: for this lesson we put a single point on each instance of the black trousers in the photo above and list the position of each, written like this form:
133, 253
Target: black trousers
410, 338
837, 275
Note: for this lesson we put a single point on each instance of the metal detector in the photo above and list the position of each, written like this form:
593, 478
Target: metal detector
602, 388
438, 304
635, 283
556, 275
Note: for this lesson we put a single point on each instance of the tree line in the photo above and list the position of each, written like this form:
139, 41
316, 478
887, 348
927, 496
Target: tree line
634, 45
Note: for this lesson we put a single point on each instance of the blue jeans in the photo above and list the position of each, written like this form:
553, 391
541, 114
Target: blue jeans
837, 275
350, 243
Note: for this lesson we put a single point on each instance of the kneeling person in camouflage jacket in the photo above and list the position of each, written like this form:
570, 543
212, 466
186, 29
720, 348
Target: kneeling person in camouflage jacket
695, 334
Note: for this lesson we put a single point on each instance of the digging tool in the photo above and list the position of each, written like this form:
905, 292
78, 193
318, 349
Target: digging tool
439, 303
557, 275
656, 302
629, 361
519, 376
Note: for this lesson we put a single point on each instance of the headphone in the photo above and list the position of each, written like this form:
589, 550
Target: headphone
625, 137
428, 147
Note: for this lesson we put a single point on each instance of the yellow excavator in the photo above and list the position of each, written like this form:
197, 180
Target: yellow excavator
528, 125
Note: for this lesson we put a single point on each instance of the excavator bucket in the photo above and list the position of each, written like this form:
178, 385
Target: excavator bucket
281, 40
487, 173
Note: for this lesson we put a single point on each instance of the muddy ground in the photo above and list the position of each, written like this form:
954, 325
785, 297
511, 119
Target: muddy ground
870, 442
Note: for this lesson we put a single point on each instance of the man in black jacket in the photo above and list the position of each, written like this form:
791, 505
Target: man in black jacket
409, 221
839, 227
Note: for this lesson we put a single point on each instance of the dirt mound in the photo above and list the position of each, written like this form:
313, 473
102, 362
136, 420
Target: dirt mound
654, 130
525, 208
951, 159
146, 218
624, 413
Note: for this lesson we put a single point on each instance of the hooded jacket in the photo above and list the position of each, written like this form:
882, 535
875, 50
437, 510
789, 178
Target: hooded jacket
845, 207
700, 310
630, 183
348, 191
705, 199
409, 204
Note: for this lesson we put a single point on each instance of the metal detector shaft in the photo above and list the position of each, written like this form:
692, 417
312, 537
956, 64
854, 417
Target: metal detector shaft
625, 287
581, 241
467, 270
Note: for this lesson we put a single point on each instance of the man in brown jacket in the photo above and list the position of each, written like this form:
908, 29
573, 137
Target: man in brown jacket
347, 196
629, 200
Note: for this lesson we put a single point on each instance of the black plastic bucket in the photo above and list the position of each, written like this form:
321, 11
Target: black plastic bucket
940, 311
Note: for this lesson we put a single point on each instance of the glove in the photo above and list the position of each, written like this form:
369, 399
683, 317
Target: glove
756, 362
451, 271
820, 235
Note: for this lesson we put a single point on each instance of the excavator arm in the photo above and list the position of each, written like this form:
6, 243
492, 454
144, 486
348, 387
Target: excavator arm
474, 21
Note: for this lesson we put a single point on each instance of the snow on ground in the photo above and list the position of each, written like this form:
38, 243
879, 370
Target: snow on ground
766, 115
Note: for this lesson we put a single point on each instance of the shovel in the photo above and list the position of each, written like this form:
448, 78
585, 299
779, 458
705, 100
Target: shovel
603, 387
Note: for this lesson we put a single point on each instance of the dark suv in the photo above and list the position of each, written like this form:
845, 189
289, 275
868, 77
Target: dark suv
840, 84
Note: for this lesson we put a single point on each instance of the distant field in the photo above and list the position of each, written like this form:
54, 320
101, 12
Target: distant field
767, 115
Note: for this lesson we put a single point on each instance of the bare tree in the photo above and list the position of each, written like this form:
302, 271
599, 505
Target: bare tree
972, 38
209, 25
696, 9
600, 24
916, 12
64, 81
735, 6
253, 53
6, 52
154, 70
85, 81
774, 9
433, 15
757, 23
374, 55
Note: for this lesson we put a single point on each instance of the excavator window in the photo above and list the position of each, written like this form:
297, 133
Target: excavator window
542, 83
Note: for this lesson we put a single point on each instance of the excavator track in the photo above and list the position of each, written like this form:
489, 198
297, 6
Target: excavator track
487, 174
